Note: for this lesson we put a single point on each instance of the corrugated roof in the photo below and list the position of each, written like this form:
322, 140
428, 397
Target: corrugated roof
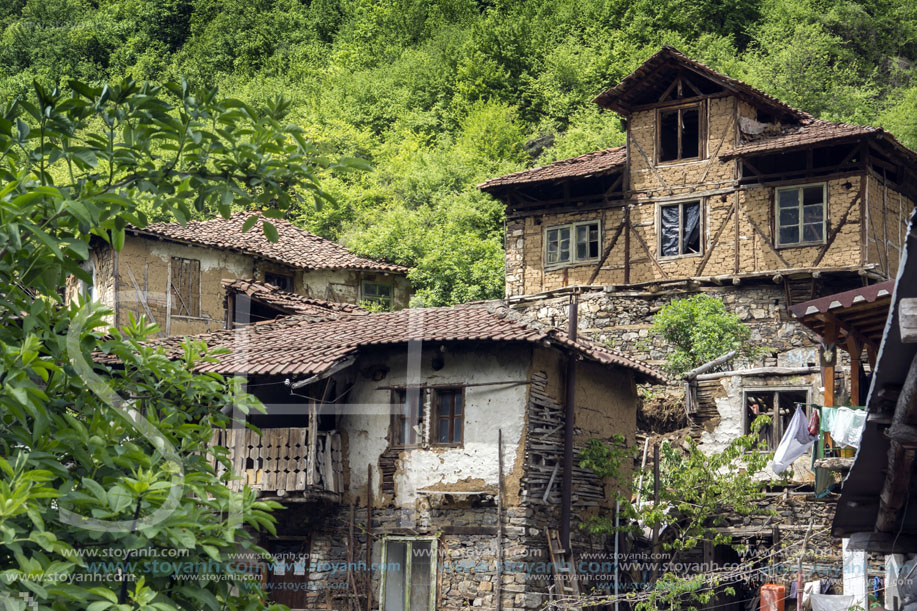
295, 247
822, 305
590, 164
861, 312
301, 345
289, 303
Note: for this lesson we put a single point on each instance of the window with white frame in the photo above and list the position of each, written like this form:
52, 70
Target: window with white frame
801, 214
680, 229
409, 574
573, 243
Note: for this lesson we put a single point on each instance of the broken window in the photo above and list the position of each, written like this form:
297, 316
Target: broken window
407, 416
448, 416
409, 574
679, 229
281, 281
378, 293
185, 278
780, 405
679, 133
801, 214
574, 243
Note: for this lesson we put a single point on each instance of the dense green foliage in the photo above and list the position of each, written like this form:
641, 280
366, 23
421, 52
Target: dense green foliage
441, 94
699, 329
93, 459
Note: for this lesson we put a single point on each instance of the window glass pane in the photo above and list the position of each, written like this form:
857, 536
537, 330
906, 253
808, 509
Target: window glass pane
551, 238
582, 242
812, 232
789, 217
564, 241
458, 402
812, 214
691, 233
457, 430
812, 195
668, 135
669, 231
690, 133
789, 235
395, 564
594, 241
788, 198
443, 436
420, 576
444, 398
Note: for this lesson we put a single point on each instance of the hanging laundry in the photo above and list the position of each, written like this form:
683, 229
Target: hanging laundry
796, 442
844, 424
831, 602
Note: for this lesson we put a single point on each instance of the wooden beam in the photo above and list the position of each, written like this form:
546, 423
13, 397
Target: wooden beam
627, 245
828, 358
649, 254
764, 237
614, 240
840, 324
837, 229
855, 349
714, 242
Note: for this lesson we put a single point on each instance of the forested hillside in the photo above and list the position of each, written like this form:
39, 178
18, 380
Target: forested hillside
441, 94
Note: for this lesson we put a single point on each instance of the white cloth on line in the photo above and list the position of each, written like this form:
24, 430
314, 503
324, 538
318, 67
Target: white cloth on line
796, 442
831, 602
847, 426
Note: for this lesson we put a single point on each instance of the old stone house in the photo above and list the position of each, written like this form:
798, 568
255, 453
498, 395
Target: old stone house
174, 274
720, 188
437, 435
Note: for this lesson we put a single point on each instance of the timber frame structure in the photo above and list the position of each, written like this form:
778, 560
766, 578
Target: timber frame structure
766, 192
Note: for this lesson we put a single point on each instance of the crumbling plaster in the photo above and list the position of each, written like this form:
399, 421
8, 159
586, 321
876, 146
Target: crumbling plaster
471, 467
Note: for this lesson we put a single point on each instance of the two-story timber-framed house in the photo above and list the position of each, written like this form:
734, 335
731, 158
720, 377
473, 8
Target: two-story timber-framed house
718, 182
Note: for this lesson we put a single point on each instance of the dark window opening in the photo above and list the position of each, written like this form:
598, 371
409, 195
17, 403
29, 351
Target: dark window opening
449, 416
281, 281
780, 405
679, 134
679, 229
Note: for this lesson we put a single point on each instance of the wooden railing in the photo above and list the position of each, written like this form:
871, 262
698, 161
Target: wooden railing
283, 460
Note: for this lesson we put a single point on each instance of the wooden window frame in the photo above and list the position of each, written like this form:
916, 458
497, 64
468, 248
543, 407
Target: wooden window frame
374, 299
187, 312
776, 423
394, 420
573, 258
435, 417
701, 228
701, 132
409, 554
824, 216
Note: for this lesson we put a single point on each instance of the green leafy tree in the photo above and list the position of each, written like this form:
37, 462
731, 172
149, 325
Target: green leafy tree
699, 329
697, 491
99, 458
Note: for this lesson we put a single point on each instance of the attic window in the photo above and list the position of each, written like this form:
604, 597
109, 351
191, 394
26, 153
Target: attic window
378, 294
281, 281
678, 133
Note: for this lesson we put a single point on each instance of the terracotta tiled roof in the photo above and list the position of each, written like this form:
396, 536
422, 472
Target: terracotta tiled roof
300, 345
295, 247
590, 164
810, 132
617, 98
289, 303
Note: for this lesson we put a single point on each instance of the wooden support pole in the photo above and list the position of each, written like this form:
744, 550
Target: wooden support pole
627, 245
828, 362
369, 537
855, 348
498, 587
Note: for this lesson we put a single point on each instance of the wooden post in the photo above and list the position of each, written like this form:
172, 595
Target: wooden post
828, 361
799, 584
626, 244
855, 348
498, 587
369, 536
655, 506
